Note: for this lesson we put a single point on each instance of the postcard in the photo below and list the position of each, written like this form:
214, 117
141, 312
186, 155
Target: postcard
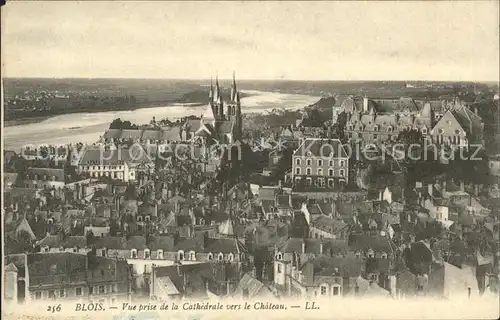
243, 159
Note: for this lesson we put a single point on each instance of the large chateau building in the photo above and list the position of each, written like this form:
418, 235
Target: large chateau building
449, 123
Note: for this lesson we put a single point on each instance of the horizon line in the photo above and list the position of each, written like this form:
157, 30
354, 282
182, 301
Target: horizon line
252, 79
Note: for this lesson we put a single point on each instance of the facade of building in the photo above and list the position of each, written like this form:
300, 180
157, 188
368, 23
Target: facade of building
321, 163
382, 120
54, 276
119, 164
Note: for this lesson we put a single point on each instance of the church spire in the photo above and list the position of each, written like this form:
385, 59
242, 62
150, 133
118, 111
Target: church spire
217, 90
211, 92
233, 89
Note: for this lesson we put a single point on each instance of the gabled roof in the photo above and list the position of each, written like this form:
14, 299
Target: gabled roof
252, 285
24, 226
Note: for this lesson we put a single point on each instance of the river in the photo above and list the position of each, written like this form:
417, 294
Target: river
88, 127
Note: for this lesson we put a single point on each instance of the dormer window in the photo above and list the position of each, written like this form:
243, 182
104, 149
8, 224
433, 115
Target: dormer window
220, 257
424, 130
384, 255
230, 257
159, 254
180, 255
457, 131
192, 256
50, 221
210, 256
147, 254
358, 255
375, 128
309, 153
309, 161
279, 256
371, 254
133, 253
441, 131
103, 252
139, 218
147, 218
320, 163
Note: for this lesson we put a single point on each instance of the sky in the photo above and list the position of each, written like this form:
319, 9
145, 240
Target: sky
427, 40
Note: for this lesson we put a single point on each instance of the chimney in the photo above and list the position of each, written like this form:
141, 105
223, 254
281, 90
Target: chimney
365, 104
429, 188
462, 186
380, 195
444, 185
279, 183
303, 246
476, 190
321, 246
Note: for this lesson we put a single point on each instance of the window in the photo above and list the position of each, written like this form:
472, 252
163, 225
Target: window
147, 218
147, 254
79, 291
91, 290
389, 129
210, 256
180, 255
323, 290
308, 181
297, 171
279, 267
321, 182
52, 294
192, 256
342, 163
330, 172
336, 290
220, 257
384, 255
309, 162
330, 163
101, 289
424, 130
308, 171
38, 295
103, 252
159, 254
61, 293
320, 163
133, 253
297, 161
441, 131
341, 173
279, 256
230, 257
320, 172
139, 218
330, 183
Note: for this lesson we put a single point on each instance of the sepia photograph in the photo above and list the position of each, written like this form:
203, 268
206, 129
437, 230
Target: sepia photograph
252, 159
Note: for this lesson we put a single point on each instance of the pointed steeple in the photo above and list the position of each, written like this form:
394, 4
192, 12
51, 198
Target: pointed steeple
217, 90
211, 92
233, 89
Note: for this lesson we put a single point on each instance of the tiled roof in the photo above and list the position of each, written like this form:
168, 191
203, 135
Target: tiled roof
328, 224
327, 148
97, 156
254, 287
225, 245
48, 172
364, 242
55, 241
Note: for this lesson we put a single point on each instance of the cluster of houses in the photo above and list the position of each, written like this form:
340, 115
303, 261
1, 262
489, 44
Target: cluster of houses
130, 227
